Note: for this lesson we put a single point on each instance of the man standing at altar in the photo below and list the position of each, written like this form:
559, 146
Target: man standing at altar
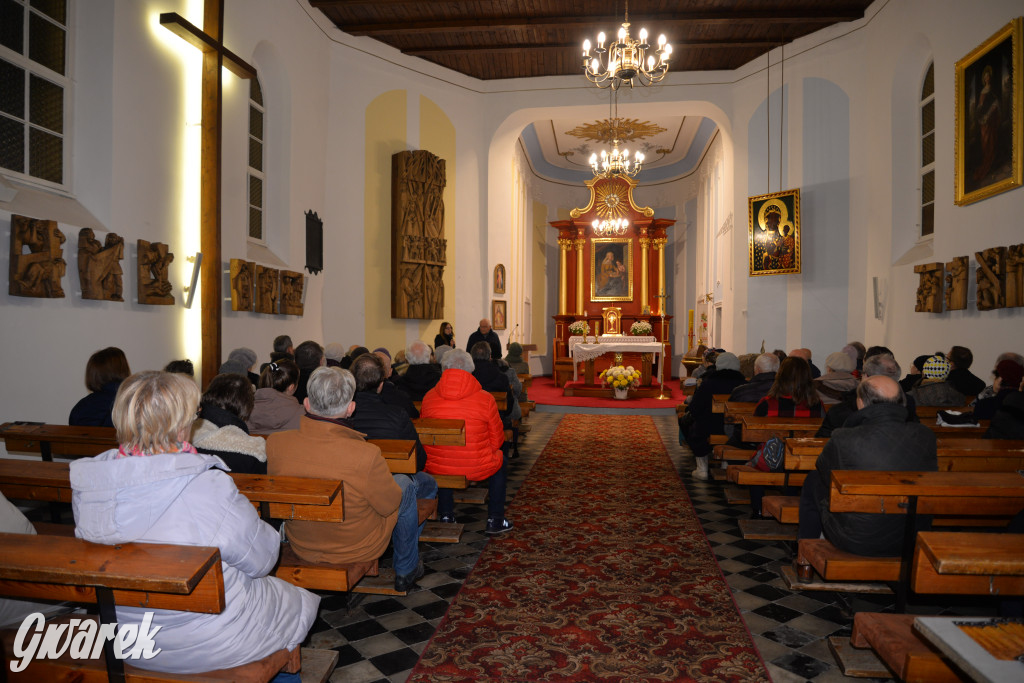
486, 334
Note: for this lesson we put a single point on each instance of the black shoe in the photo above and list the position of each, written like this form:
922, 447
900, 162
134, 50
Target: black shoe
405, 583
498, 527
447, 519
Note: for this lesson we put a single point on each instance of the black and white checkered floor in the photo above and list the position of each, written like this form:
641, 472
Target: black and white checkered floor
379, 638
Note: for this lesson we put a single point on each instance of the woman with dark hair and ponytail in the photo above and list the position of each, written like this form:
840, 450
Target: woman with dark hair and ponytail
276, 408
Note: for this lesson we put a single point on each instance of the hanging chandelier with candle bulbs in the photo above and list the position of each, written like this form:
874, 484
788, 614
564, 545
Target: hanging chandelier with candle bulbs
615, 227
617, 162
627, 60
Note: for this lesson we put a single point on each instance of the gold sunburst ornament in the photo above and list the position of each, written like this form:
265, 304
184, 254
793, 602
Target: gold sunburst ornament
606, 130
612, 202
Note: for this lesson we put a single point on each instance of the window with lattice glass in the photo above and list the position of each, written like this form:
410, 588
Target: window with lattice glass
928, 153
257, 176
33, 85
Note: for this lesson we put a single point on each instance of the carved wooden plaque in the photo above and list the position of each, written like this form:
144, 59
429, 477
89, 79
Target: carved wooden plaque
37, 258
155, 260
991, 276
99, 266
1015, 275
291, 292
268, 289
956, 284
929, 289
418, 245
243, 281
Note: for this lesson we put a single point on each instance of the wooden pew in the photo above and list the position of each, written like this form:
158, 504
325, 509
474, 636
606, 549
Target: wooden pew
892, 637
967, 494
500, 398
440, 432
757, 429
277, 497
968, 563
150, 575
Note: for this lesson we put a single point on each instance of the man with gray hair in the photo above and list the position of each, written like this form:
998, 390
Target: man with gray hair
878, 361
325, 446
765, 367
422, 375
876, 437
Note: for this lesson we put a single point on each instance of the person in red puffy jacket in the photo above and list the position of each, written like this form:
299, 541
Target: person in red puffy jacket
458, 396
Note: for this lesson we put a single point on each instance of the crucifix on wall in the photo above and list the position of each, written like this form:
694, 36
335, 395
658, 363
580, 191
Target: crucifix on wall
210, 40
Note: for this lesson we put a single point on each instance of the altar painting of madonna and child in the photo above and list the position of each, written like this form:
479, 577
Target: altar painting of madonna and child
611, 269
775, 233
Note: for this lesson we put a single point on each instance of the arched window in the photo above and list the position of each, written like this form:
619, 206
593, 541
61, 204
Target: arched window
33, 89
928, 153
256, 161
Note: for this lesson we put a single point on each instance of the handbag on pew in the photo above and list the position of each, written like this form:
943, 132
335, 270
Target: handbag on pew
770, 455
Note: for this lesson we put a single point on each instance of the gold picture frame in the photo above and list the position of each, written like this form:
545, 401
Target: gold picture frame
774, 233
988, 144
499, 314
611, 269
499, 279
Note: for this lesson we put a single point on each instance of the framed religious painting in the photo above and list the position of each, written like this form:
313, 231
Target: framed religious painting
498, 315
988, 117
774, 233
499, 279
611, 269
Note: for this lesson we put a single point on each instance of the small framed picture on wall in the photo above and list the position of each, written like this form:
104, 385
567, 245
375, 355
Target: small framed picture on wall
499, 279
498, 316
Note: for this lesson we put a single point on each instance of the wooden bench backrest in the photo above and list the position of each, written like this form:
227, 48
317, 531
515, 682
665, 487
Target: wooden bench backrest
318, 500
157, 576
435, 431
959, 493
955, 455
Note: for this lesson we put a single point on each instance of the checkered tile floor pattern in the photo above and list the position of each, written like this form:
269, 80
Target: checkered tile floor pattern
379, 638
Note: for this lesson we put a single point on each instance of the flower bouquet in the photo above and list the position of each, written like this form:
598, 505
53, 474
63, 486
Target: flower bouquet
580, 328
621, 379
641, 328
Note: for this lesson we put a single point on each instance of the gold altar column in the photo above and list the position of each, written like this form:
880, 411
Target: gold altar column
564, 245
659, 244
580, 243
645, 244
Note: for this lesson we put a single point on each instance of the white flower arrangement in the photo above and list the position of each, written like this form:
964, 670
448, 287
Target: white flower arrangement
580, 328
641, 328
619, 377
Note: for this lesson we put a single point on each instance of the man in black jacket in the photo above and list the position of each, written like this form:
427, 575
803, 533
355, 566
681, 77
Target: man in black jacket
491, 378
421, 375
308, 356
485, 333
877, 437
880, 363
372, 415
961, 377
723, 380
765, 367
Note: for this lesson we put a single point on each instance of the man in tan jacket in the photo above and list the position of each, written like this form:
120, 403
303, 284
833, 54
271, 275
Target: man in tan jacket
325, 446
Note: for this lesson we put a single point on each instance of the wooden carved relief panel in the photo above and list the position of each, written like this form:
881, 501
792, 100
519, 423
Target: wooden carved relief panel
991, 278
956, 284
418, 244
37, 258
243, 280
1015, 275
929, 289
99, 266
155, 260
291, 292
268, 292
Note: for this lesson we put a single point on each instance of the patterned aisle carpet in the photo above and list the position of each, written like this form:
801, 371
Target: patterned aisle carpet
607, 577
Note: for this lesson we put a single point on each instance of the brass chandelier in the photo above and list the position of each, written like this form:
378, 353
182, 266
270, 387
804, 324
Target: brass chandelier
626, 60
615, 227
616, 162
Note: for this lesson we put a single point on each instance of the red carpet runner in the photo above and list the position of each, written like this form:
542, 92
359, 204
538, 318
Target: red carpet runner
606, 577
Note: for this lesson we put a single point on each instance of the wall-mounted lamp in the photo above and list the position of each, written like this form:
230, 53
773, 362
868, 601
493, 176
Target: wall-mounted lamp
190, 291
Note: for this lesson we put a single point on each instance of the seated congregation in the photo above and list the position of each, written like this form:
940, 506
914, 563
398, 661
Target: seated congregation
310, 413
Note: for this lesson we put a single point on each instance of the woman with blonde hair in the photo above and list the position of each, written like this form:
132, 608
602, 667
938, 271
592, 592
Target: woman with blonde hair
155, 488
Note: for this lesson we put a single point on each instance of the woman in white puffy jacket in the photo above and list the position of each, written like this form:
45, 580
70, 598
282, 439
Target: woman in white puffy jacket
156, 488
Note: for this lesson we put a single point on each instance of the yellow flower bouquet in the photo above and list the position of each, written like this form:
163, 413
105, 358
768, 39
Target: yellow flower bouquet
619, 377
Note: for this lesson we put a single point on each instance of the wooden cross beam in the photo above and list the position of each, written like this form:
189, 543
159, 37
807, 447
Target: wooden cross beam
210, 40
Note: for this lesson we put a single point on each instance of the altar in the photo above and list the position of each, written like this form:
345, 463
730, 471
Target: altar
612, 292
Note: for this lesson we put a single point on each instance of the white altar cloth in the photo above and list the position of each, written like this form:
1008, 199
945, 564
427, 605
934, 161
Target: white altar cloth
580, 350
